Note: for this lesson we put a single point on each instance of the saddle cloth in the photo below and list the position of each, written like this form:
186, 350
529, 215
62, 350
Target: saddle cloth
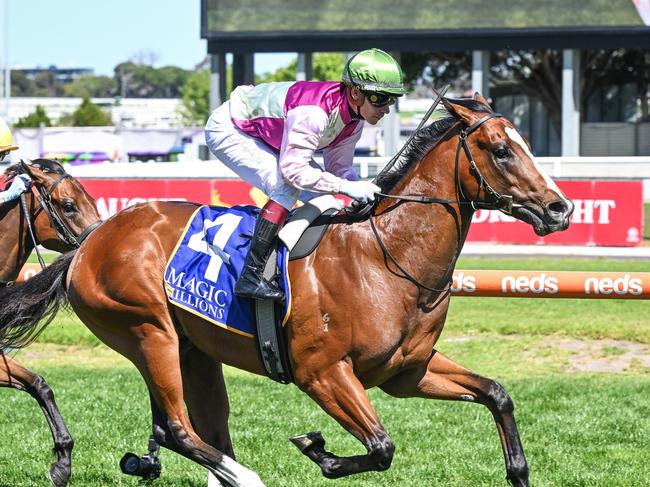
209, 256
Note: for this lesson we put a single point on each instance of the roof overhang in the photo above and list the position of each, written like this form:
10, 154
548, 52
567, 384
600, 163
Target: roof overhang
431, 40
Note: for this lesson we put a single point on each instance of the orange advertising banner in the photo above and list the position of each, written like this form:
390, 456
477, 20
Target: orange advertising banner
529, 284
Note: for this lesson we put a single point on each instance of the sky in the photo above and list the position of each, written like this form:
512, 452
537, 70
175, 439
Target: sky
101, 34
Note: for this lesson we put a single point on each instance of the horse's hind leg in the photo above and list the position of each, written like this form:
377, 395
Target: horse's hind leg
338, 391
14, 375
157, 358
206, 397
442, 378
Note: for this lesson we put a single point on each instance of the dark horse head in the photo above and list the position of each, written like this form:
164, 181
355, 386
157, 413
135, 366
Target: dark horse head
60, 210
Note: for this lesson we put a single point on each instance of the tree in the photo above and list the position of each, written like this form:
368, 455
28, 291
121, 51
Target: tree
35, 119
538, 74
21, 85
142, 81
90, 115
326, 67
196, 98
90, 86
46, 85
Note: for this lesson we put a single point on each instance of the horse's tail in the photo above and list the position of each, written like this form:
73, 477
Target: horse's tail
27, 308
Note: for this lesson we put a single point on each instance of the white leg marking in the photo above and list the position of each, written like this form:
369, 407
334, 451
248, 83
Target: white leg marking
237, 475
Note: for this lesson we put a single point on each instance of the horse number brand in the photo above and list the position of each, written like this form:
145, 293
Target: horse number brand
326, 322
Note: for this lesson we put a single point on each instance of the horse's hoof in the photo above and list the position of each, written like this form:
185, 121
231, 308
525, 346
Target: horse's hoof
308, 441
59, 476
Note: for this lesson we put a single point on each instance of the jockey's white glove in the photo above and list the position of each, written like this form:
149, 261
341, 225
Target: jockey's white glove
363, 191
18, 186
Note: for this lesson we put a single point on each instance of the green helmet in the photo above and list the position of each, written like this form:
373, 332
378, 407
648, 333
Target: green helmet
374, 70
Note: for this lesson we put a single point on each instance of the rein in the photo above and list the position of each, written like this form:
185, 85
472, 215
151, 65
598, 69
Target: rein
44, 198
58, 224
503, 203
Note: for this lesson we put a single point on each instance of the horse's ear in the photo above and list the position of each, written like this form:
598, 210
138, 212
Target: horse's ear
450, 107
480, 99
463, 113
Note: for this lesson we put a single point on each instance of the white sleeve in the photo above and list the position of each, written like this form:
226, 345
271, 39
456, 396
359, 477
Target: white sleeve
303, 131
339, 158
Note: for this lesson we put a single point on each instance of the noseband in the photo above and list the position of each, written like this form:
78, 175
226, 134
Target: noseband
58, 224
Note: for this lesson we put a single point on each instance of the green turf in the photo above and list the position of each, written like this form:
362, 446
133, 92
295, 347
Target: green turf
578, 429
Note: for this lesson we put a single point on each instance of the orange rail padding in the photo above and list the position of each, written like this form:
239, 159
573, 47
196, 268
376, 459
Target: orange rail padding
552, 284
529, 284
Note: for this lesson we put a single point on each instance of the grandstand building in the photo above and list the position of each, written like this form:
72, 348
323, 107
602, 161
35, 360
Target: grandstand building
611, 125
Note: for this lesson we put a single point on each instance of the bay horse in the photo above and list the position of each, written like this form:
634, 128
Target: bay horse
60, 221
368, 305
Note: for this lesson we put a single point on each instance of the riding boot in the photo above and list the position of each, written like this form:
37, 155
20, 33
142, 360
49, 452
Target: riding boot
251, 283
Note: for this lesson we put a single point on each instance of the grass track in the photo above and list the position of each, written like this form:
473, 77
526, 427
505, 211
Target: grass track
578, 429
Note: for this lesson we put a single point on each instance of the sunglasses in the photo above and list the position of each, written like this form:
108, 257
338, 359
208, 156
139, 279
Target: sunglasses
378, 99
3, 154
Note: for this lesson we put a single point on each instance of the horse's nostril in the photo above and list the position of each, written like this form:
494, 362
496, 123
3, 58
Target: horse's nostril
559, 207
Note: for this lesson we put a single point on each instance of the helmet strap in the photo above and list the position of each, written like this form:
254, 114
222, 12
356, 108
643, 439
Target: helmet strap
354, 106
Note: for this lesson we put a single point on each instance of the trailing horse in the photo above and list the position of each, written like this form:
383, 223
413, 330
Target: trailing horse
368, 305
57, 214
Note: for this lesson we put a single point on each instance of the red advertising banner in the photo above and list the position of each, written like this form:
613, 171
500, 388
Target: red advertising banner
606, 213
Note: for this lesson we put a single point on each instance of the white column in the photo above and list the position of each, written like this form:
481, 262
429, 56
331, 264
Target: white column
391, 125
481, 73
570, 102
217, 84
304, 71
391, 131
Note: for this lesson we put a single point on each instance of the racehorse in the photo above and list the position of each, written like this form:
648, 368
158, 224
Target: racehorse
368, 305
60, 221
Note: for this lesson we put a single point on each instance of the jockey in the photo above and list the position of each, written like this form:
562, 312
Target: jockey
268, 135
21, 182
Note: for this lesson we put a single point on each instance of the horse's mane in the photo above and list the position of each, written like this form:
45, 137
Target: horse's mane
423, 141
45, 165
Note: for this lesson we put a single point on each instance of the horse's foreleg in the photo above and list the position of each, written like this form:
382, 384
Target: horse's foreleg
338, 391
14, 375
442, 378
158, 360
206, 397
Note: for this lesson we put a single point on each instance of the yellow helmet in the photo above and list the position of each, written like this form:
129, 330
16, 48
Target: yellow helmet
6, 139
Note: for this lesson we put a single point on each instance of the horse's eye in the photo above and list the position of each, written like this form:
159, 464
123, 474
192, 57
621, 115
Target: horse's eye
68, 206
501, 153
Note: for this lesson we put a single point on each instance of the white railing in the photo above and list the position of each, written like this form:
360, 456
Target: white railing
368, 167
557, 167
